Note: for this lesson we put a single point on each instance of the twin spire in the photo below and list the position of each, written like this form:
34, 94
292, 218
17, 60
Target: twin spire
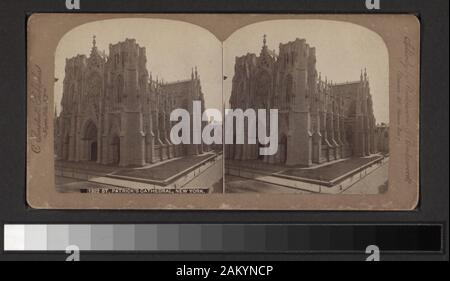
264, 47
365, 75
362, 75
194, 70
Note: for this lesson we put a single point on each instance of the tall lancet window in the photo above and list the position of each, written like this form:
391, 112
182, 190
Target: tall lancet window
72, 94
263, 90
94, 92
289, 90
119, 88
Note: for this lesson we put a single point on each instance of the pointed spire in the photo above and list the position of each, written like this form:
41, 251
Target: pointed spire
365, 74
361, 76
264, 40
196, 73
192, 74
94, 49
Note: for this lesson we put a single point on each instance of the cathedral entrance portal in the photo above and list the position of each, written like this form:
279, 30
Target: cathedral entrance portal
90, 137
93, 156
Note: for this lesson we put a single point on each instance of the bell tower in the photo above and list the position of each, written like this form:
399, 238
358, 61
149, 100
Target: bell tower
128, 65
295, 59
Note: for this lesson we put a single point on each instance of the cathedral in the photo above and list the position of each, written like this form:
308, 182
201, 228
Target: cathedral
318, 121
114, 113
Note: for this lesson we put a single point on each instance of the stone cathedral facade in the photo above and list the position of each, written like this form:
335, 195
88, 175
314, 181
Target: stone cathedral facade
114, 112
318, 121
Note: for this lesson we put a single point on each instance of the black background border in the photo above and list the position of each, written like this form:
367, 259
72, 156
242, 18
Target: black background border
434, 107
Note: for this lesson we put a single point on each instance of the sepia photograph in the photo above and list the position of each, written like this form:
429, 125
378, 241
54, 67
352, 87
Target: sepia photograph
329, 82
116, 84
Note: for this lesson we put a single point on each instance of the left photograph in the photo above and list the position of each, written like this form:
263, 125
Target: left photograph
117, 85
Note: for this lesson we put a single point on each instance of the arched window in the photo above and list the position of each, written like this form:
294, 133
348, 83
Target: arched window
289, 89
94, 90
351, 109
94, 86
154, 120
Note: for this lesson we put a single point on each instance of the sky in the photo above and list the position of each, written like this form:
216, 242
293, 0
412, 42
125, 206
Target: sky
174, 47
342, 50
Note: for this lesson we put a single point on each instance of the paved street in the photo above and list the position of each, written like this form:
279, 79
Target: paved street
373, 183
211, 177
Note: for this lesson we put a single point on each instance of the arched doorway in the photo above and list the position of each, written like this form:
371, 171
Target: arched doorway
115, 148
283, 149
90, 136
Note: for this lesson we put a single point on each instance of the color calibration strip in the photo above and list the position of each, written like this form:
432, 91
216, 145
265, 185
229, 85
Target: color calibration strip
246, 238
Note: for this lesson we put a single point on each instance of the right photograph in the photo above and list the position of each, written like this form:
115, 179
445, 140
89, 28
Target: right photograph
307, 103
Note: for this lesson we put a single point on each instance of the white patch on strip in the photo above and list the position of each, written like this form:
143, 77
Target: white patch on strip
14, 237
